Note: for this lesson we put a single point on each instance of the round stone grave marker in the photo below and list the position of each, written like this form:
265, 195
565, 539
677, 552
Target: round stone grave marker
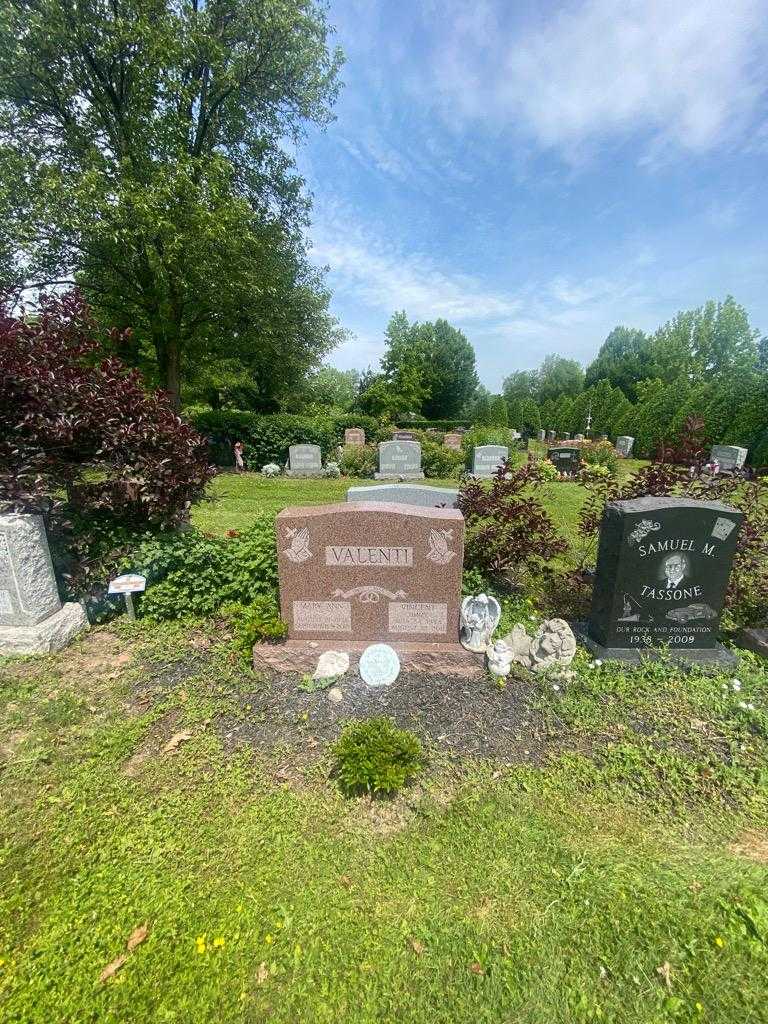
379, 665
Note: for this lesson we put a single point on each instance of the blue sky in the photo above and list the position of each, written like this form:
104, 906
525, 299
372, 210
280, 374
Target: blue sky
537, 173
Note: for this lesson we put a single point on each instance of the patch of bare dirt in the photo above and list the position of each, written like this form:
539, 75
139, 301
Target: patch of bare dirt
751, 846
157, 741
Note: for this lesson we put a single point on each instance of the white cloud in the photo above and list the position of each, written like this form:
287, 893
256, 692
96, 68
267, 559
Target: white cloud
690, 74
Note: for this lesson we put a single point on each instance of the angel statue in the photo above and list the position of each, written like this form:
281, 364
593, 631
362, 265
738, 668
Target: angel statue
479, 617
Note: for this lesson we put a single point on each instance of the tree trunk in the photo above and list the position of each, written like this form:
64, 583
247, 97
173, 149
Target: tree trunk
166, 341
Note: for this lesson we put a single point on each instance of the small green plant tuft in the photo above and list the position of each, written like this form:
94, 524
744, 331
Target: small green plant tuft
377, 757
255, 623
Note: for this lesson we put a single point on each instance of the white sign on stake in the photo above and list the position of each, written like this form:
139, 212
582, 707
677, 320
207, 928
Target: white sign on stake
130, 583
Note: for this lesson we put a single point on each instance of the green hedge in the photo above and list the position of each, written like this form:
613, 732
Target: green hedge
268, 438
443, 425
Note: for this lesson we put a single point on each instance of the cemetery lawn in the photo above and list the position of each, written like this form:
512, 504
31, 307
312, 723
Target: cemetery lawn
612, 867
235, 501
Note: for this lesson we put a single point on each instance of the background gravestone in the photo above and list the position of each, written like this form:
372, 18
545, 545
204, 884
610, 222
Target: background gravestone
399, 459
32, 617
403, 435
363, 571
304, 460
566, 436
730, 456
354, 436
452, 440
624, 445
567, 459
542, 435
662, 573
487, 458
551, 435
406, 494
578, 437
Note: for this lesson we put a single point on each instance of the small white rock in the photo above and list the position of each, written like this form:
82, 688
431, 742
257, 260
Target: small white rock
335, 696
736, 685
331, 664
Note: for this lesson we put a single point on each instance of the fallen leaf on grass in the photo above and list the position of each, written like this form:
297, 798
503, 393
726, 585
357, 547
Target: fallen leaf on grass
346, 881
175, 741
262, 974
665, 973
477, 968
418, 947
135, 939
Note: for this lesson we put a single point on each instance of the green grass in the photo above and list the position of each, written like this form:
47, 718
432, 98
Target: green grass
235, 501
537, 892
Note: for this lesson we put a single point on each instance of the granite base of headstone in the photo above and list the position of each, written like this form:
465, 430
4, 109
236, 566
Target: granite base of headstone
755, 640
662, 573
32, 618
487, 458
406, 494
399, 460
364, 572
304, 460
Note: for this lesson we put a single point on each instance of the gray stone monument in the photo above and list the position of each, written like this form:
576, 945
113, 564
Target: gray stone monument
551, 435
729, 456
578, 437
662, 572
542, 434
32, 617
399, 459
566, 436
304, 460
487, 458
406, 494
624, 445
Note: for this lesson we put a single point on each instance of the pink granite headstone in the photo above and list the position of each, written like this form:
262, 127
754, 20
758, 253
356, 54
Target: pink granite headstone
354, 436
452, 440
371, 571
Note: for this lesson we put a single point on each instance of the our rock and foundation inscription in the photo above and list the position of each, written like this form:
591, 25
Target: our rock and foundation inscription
370, 571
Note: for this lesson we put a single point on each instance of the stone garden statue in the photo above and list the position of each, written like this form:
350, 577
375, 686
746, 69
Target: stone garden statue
499, 657
479, 618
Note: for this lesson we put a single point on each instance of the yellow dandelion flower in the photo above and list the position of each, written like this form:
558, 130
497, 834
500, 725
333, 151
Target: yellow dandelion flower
268, 939
699, 1008
218, 941
719, 942
200, 944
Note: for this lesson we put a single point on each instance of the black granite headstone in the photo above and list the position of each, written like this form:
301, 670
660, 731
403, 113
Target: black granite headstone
662, 572
565, 459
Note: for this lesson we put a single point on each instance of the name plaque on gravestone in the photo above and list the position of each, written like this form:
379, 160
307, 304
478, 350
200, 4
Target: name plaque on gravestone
452, 440
304, 460
662, 572
729, 456
354, 436
566, 459
399, 458
487, 458
406, 494
370, 571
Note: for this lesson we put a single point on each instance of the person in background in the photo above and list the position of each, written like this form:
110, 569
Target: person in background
238, 450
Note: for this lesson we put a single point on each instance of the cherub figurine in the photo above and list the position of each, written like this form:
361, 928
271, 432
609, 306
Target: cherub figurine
499, 657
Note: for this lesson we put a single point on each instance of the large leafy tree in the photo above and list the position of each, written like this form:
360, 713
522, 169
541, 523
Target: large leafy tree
438, 356
559, 377
623, 360
717, 337
142, 147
